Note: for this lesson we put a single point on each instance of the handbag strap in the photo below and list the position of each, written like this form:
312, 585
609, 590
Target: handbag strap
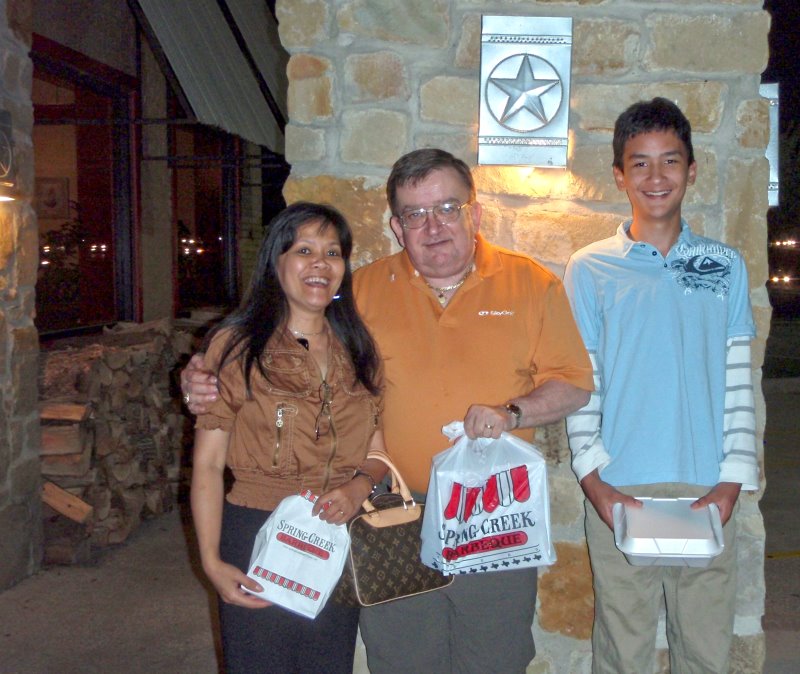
398, 483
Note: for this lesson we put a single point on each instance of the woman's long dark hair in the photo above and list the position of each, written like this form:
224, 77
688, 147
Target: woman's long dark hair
264, 308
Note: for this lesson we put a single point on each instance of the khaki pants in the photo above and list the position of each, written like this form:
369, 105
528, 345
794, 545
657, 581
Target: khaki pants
700, 603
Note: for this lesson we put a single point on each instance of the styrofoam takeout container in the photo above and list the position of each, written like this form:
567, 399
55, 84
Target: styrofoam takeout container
667, 532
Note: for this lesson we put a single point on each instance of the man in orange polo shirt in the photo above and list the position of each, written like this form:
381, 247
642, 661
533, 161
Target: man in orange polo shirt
471, 331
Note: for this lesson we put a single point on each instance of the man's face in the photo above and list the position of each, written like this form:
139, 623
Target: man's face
441, 253
655, 176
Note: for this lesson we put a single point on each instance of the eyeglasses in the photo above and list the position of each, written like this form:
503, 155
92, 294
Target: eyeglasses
323, 422
445, 214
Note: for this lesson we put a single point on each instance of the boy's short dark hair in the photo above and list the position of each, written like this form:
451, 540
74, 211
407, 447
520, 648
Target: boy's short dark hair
659, 114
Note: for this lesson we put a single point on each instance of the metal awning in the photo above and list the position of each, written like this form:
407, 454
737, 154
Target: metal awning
227, 59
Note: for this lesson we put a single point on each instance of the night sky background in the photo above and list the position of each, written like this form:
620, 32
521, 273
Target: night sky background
784, 68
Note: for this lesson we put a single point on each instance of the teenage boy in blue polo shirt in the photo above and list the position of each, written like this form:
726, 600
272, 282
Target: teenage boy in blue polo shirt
665, 315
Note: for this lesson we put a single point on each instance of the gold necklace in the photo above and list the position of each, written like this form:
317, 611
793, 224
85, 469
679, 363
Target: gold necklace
440, 292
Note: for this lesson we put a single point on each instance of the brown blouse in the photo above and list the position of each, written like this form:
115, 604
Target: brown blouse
273, 450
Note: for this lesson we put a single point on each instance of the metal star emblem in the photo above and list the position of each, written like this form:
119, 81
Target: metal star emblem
530, 99
524, 91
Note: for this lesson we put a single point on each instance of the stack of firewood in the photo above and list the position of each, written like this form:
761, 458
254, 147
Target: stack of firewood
113, 433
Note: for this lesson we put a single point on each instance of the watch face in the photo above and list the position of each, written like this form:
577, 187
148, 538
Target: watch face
516, 412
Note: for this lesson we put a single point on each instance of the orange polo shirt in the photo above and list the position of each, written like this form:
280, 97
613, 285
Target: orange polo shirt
507, 330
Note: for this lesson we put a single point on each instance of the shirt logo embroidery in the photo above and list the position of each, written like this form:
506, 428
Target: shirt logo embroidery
704, 267
495, 312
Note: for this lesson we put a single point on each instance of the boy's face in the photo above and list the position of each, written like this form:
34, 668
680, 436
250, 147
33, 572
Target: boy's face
656, 172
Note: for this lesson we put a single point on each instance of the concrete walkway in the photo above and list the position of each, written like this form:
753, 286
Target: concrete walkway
779, 507
144, 607
140, 608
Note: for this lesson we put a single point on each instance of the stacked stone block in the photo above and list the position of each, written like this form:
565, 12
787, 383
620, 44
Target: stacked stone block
20, 542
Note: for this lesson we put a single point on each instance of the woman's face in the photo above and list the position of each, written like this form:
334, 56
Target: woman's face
311, 271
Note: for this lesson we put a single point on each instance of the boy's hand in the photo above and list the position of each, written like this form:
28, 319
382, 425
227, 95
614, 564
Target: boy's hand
198, 385
603, 497
724, 495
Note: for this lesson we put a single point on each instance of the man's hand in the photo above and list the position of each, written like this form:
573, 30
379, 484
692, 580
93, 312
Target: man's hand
198, 385
487, 421
603, 497
548, 403
724, 495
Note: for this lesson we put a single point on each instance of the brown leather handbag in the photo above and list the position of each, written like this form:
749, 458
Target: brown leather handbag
384, 563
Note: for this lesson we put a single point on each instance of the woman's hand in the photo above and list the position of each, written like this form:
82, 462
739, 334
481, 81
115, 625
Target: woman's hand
339, 505
229, 581
207, 496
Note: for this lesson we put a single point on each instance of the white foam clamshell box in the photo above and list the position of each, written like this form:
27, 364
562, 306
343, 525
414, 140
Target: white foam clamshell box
667, 532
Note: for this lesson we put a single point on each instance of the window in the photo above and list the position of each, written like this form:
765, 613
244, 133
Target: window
82, 196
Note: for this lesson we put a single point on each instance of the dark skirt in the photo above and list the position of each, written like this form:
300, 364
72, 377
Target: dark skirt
274, 639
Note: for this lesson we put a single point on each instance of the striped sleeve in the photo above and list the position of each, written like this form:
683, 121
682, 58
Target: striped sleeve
583, 430
739, 461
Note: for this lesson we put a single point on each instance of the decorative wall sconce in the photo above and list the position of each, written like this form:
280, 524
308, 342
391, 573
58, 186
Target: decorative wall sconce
8, 177
524, 90
770, 92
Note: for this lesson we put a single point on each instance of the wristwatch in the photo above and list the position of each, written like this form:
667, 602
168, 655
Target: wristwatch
516, 412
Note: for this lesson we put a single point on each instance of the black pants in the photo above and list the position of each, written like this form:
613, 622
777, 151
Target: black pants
272, 639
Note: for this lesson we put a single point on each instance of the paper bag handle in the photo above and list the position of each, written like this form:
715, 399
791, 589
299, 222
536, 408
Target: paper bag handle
398, 483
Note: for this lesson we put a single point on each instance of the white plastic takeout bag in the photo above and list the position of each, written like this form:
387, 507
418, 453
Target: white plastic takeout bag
297, 558
487, 507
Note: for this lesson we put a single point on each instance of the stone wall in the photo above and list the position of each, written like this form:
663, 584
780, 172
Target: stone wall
20, 542
372, 79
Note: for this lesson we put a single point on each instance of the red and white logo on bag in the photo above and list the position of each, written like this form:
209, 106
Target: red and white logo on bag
501, 489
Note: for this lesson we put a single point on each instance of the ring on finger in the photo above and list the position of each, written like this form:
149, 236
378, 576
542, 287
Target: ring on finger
187, 398
488, 427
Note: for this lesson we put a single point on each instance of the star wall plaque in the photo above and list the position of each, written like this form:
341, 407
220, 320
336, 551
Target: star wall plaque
524, 91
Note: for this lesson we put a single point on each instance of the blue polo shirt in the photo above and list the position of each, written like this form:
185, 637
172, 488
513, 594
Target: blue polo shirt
658, 328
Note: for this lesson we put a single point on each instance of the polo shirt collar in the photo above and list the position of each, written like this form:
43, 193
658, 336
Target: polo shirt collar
487, 257
626, 243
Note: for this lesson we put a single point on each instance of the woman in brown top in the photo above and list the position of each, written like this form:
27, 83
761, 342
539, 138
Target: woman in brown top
299, 406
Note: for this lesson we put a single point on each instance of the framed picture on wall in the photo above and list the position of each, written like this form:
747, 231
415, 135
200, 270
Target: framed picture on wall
52, 197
